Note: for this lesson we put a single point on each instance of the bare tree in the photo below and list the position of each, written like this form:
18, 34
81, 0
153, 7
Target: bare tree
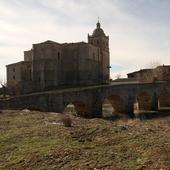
118, 76
4, 88
154, 64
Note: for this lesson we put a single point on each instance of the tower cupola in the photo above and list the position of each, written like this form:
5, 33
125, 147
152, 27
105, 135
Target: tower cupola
98, 31
101, 42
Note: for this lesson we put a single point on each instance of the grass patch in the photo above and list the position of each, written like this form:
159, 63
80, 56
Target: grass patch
36, 140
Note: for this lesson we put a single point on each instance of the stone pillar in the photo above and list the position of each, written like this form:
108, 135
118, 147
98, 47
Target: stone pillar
96, 110
154, 104
56, 103
95, 104
129, 106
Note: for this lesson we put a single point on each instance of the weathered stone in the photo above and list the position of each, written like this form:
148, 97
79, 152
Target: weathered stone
50, 65
88, 100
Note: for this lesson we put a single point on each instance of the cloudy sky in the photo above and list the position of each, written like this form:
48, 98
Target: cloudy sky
139, 30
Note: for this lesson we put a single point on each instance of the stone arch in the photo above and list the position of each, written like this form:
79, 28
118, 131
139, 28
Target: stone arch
107, 108
117, 104
164, 100
143, 101
77, 107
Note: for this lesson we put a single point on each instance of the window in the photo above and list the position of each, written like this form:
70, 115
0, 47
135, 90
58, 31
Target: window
97, 42
93, 56
58, 56
13, 69
13, 77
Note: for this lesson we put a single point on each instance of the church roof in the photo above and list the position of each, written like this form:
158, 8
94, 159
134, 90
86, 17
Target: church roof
18, 63
48, 42
98, 31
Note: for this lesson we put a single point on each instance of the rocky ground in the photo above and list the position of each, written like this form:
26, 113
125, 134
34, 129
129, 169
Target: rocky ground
36, 140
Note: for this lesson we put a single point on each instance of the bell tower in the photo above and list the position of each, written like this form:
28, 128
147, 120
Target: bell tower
100, 40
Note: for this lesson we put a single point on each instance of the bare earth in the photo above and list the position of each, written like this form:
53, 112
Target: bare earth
35, 140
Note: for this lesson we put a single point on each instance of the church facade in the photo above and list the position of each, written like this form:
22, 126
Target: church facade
49, 65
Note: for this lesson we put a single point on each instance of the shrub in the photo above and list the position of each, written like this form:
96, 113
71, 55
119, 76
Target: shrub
66, 120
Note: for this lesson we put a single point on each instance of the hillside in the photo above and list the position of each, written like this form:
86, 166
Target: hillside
36, 140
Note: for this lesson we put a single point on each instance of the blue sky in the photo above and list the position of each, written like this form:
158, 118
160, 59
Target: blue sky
139, 30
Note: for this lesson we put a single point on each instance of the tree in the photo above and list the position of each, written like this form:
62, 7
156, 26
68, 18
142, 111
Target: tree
4, 88
153, 64
118, 76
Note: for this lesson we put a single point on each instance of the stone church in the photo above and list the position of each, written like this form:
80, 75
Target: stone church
49, 65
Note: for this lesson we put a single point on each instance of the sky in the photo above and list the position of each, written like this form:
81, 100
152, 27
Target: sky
139, 30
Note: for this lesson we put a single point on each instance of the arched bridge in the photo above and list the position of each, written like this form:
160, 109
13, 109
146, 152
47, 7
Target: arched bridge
88, 100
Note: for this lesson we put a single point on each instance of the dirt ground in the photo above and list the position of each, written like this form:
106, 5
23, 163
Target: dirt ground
32, 140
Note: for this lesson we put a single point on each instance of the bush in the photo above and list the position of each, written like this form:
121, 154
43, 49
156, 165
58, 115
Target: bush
66, 120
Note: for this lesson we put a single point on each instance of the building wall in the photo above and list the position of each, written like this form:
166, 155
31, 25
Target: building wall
46, 63
13, 74
80, 64
145, 75
19, 72
102, 42
65, 65
69, 64
160, 73
17, 75
28, 56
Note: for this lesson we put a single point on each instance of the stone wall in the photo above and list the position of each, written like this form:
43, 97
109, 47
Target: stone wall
17, 75
160, 73
65, 65
102, 42
28, 56
122, 97
81, 63
19, 72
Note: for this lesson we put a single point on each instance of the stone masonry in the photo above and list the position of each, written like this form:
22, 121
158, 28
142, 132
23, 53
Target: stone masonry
49, 65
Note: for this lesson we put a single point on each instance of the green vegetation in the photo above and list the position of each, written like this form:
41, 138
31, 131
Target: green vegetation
36, 140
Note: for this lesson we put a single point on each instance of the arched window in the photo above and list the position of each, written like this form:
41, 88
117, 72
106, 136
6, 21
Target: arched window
58, 55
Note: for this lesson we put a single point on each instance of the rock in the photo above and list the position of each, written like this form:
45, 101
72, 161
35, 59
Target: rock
123, 128
26, 110
54, 113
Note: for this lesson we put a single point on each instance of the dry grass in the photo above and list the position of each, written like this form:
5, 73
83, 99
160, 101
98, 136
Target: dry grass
66, 120
36, 140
